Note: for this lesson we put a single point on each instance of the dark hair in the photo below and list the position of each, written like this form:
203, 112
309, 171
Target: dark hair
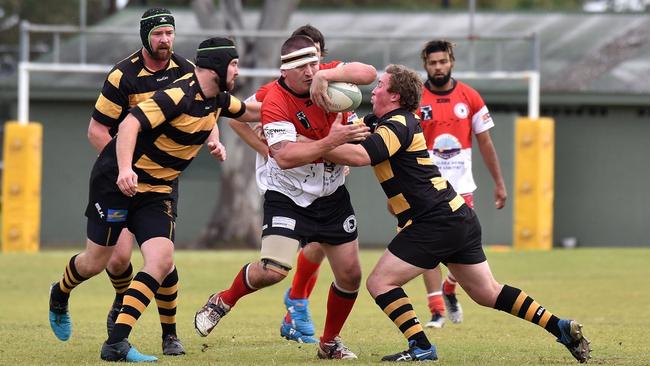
438, 46
313, 33
407, 84
295, 43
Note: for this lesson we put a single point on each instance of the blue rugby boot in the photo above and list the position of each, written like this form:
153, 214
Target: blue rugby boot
573, 339
299, 312
123, 351
414, 353
289, 332
59, 317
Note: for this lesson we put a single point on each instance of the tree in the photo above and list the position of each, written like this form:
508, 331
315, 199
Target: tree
236, 218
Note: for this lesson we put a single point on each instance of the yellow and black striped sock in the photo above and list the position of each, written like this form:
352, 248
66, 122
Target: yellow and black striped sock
136, 299
71, 279
396, 304
166, 301
516, 302
121, 282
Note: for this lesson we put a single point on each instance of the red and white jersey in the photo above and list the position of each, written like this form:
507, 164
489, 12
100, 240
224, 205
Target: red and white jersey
449, 119
285, 115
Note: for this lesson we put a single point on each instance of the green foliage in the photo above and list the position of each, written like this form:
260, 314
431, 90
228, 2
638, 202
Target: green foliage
604, 289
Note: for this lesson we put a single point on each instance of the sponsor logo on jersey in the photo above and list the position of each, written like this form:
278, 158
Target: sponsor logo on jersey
461, 110
99, 210
116, 215
303, 119
426, 112
283, 222
446, 146
162, 78
350, 224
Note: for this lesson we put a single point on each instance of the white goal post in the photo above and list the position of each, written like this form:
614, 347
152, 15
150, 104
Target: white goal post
25, 68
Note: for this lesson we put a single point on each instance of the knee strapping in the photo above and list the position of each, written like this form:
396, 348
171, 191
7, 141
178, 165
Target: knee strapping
277, 267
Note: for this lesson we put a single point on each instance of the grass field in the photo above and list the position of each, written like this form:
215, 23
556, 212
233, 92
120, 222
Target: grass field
607, 290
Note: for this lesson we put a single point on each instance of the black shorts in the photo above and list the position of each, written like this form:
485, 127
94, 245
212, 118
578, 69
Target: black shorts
146, 215
328, 220
454, 238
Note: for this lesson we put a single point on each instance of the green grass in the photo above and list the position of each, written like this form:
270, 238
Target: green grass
605, 289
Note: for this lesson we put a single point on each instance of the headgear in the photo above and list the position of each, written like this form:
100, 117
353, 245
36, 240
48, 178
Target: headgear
152, 19
298, 58
216, 54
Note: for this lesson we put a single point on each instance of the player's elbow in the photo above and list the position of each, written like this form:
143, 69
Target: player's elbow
367, 74
285, 162
358, 161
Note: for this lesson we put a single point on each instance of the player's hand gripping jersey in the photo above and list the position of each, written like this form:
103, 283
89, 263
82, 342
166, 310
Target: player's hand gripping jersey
448, 120
286, 115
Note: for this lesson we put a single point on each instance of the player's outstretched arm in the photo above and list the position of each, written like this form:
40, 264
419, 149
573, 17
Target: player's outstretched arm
253, 112
293, 154
250, 136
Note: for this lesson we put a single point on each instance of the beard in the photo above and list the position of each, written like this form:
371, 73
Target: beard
162, 54
440, 81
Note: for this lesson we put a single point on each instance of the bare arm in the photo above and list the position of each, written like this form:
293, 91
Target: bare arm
98, 134
215, 146
292, 154
127, 180
354, 72
348, 154
491, 160
252, 113
247, 133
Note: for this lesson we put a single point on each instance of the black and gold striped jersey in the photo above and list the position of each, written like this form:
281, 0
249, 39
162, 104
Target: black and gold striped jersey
175, 122
129, 83
412, 183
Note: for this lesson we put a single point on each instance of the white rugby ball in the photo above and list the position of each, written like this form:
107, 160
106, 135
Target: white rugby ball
345, 97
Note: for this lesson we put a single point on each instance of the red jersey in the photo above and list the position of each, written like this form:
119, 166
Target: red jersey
449, 119
285, 115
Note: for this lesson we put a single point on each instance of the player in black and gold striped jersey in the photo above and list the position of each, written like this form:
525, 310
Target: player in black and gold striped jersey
131, 81
158, 139
434, 224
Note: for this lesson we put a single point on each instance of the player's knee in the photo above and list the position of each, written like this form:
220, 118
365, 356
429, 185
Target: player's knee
273, 270
118, 264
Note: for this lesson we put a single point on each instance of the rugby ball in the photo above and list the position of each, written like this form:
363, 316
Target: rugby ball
345, 97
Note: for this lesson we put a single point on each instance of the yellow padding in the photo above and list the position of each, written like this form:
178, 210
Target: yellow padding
534, 191
21, 187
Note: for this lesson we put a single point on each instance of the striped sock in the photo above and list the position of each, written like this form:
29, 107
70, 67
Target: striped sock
518, 303
396, 304
166, 301
71, 279
136, 299
121, 282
